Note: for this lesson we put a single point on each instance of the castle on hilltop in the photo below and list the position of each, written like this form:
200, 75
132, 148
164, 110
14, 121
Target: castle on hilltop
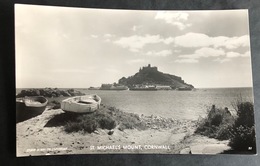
148, 68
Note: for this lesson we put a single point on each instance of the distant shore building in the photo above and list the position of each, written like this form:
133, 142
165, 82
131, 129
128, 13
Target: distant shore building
106, 86
163, 87
93, 88
113, 87
119, 87
185, 88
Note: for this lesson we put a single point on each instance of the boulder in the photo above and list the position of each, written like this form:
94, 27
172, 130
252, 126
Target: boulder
64, 93
48, 92
185, 151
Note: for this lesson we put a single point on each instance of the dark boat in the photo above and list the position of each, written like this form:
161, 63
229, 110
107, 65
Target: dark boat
28, 107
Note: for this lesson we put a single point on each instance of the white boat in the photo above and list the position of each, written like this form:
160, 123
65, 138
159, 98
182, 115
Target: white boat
81, 104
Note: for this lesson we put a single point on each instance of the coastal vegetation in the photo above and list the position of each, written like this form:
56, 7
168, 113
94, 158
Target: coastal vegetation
243, 131
216, 124
110, 118
238, 129
104, 118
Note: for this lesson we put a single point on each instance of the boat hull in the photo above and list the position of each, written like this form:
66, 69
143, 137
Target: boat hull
29, 107
81, 104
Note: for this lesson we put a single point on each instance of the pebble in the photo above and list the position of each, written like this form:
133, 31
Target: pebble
96, 132
110, 132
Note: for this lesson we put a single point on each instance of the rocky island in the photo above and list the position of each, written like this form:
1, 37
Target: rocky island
150, 76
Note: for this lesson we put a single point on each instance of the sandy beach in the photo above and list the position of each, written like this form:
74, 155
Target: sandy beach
36, 136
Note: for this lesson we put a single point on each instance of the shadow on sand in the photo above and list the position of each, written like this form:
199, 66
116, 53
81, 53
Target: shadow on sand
62, 119
24, 117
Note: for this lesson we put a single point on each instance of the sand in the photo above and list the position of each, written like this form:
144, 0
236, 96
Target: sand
34, 138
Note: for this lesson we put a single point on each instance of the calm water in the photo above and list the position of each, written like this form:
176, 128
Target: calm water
173, 104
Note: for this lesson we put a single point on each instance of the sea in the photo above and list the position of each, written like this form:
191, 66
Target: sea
181, 105
189, 105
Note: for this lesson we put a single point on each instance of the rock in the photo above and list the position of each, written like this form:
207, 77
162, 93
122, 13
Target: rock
185, 151
49, 92
37, 92
64, 93
96, 132
110, 132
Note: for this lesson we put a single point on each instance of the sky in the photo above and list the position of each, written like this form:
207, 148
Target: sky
78, 47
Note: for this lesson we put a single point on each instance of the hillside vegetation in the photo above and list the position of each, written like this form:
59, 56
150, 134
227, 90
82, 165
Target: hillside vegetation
151, 75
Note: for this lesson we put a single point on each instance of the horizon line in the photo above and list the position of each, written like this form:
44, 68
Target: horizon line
94, 86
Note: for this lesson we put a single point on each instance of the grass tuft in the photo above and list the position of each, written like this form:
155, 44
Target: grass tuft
217, 124
105, 119
239, 129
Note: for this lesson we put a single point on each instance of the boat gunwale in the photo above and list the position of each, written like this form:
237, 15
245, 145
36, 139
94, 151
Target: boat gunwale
26, 104
89, 107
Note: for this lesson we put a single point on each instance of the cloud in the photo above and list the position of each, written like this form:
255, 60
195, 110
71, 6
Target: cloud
232, 55
94, 36
222, 60
200, 53
193, 40
162, 53
202, 40
236, 54
108, 35
134, 61
204, 52
236, 42
135, 43
135, 28
187, 60
168, 40
177, 19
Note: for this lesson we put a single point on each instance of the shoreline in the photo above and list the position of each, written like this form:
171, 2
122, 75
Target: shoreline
163, 136
34, 138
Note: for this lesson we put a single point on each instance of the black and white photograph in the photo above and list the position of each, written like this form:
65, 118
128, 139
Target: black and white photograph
114, 81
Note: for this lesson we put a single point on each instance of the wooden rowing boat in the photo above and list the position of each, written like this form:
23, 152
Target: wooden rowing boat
81, 104
28, 107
